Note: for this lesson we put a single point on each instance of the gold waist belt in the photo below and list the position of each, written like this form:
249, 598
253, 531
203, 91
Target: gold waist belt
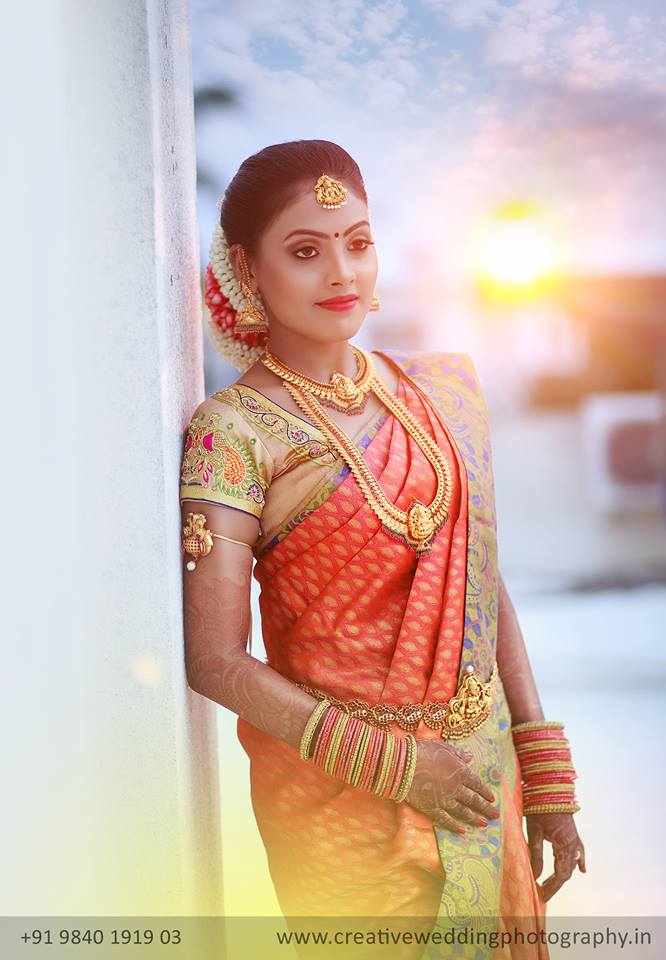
457, 717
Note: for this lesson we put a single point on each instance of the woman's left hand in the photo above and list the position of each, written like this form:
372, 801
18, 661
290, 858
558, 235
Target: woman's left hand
568, 849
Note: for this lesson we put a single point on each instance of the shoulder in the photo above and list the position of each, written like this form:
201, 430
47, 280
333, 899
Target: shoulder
228, 411
437, 364
224, 458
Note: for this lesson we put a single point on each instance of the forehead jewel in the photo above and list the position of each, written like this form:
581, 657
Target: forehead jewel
330, 193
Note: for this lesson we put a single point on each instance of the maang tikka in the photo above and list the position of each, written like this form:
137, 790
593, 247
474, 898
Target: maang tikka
250, 317
330, 193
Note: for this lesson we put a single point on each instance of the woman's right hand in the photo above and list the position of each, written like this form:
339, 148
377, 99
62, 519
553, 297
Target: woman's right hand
446, 790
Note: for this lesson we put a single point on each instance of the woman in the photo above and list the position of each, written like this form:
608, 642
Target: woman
362, 484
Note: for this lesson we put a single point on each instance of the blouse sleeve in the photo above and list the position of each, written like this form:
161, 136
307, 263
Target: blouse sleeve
224, 461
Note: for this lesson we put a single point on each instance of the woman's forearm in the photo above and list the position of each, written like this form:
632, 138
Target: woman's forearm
260, 695
216, 613
514, 664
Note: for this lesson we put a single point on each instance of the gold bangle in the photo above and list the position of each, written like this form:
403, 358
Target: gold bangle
410, 769
548, 788
552, 808
389, 749
537, 725
547, 766
309, 729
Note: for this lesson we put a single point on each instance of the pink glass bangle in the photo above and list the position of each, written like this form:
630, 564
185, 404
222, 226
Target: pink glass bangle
371, 757
538, 756
550, 798
325, 734
557, 776
530, 736
359, 755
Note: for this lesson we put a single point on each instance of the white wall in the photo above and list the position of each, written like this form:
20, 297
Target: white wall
111, 797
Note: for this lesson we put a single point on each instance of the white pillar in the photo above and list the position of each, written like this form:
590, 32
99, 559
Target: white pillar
111, 791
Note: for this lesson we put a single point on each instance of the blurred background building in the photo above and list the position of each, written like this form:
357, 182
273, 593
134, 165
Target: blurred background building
514, 155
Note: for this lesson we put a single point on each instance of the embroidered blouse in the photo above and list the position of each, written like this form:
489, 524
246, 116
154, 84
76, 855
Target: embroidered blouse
243, 450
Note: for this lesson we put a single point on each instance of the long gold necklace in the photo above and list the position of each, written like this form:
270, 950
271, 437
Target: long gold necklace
415, 526
341, 392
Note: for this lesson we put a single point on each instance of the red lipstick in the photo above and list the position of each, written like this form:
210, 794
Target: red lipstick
339, 303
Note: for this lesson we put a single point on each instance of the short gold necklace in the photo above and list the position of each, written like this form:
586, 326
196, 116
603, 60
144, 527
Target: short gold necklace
341, 392
415, 526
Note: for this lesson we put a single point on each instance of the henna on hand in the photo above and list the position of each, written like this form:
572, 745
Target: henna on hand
446, 790
568, 850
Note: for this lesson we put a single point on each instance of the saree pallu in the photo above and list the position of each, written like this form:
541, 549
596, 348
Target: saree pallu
353, 612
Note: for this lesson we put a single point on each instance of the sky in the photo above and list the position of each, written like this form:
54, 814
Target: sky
453, 109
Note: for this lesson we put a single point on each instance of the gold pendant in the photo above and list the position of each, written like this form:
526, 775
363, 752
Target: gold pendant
345, 389
420, 524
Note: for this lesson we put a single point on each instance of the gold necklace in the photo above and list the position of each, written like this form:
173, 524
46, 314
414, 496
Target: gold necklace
415, 526
341, 393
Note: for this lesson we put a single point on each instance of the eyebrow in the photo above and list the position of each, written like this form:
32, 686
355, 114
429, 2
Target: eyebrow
316, 233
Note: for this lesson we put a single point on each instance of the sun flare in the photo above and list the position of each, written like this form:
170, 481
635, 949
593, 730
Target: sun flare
517, 251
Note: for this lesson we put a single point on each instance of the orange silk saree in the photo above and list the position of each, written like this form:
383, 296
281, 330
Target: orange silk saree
350, 610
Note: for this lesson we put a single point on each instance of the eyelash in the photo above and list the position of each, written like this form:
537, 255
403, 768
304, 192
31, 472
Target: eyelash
309, 246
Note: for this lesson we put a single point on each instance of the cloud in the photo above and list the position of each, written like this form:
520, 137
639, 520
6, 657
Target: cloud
380, 21
471, 101
571, 42
468, 14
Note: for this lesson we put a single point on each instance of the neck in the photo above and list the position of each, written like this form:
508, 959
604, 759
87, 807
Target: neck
316, 360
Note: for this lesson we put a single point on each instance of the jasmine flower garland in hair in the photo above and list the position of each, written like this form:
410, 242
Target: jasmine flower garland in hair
224, 298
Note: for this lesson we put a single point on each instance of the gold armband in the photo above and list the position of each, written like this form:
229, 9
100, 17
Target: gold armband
198, 540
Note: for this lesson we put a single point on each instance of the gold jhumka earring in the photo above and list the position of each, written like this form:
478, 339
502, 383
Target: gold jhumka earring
375, 303
250, 317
